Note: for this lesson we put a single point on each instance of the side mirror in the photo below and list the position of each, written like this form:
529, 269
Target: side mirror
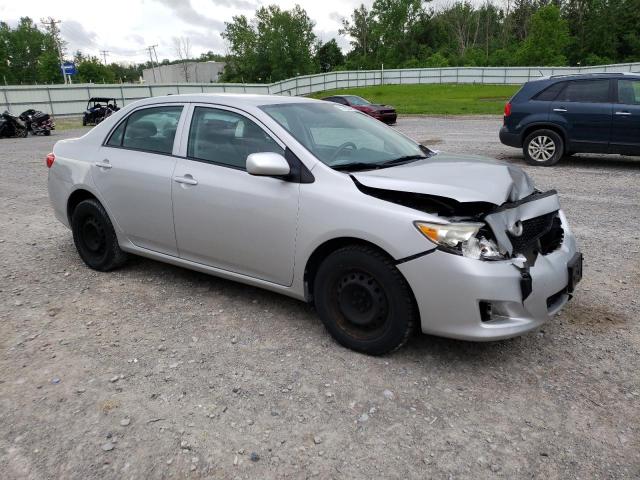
267, 164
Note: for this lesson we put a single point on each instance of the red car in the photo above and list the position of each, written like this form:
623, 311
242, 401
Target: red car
384, 113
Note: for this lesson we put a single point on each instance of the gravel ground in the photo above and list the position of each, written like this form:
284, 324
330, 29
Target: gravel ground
153, 371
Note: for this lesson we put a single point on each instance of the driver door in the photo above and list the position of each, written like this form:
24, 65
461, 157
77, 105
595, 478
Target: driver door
224, 217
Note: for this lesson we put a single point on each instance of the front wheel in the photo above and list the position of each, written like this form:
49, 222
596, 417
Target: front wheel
364, 301
543, 147
94, 236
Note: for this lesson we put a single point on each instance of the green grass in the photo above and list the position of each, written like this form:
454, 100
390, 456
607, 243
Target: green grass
445, 99
67, 123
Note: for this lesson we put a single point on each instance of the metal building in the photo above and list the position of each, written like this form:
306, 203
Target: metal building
188, 72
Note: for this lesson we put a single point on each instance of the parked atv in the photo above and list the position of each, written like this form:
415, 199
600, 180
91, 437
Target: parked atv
37, 122
99, 108
12, 127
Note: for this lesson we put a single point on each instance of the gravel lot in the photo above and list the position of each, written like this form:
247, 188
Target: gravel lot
158, 372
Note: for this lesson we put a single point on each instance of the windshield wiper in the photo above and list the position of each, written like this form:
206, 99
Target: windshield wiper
355, 166
351, 167
401, 160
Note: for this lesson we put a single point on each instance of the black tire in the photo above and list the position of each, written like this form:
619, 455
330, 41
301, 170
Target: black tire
364, 301
84, 121
95, 238
47, 133
543, 148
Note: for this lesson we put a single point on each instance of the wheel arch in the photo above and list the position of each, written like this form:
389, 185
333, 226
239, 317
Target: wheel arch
76, 197
327, 248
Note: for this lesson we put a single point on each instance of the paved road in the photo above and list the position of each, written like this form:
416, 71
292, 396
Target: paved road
158, 372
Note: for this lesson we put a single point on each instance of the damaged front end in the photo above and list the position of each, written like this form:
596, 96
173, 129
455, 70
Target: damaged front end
519, 230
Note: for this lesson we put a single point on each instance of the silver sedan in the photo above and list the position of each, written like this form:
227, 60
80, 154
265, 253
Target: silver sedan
322, 203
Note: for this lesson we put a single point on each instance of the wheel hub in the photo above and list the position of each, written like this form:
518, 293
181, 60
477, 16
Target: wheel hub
93, 235
542, 148
361, 300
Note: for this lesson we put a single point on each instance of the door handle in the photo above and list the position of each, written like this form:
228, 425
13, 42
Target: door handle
623, 113
559, 109
104, 164
187, 180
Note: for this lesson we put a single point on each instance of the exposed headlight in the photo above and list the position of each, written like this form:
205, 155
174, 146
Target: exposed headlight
461, 238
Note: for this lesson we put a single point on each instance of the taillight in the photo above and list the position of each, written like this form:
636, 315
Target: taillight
50, 159
507, 109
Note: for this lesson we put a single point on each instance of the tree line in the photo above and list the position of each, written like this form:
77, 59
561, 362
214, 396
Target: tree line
276, 44
412, 33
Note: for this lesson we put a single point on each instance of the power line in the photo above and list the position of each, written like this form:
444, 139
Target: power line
104, 54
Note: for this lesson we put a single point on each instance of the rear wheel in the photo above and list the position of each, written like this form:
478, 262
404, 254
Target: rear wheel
543, 147
364, 301
95, 238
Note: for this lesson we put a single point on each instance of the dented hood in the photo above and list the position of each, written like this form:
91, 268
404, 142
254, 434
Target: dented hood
465, 178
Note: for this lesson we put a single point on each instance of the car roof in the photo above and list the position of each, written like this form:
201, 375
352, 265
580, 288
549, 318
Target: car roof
585, 76
101, 99
228, 99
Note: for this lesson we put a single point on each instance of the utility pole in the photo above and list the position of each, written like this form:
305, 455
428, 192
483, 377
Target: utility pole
157, 62
104, 54
153, 48
149, 49
54, 31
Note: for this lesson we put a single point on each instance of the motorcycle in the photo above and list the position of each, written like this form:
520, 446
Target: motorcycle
37, 122
12, 127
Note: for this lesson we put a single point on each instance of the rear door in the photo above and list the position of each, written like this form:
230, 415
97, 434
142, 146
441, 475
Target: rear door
625, 136
133, 175
584, 109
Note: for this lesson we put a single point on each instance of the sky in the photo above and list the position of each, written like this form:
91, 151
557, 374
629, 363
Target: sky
126, 27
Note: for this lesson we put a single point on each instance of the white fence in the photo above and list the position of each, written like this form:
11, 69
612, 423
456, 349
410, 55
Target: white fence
72, 99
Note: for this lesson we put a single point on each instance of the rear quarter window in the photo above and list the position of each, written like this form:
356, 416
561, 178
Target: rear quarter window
550, 93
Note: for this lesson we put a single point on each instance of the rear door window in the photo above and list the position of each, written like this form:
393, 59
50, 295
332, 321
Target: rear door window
586, 91
629, 92
150, 129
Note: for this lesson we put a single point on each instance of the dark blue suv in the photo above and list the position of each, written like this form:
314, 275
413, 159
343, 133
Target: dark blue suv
558, 116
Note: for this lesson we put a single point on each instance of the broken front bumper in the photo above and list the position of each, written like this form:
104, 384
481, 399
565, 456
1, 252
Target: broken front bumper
469, 299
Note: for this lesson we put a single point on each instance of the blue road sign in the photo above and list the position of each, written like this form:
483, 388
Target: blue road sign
69, 68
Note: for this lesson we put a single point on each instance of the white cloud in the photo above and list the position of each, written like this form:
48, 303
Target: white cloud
126, 27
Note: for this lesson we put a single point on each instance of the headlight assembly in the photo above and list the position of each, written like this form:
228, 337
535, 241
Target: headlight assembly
461, 238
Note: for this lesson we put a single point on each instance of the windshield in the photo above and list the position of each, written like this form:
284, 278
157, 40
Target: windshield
340, 136
355, 100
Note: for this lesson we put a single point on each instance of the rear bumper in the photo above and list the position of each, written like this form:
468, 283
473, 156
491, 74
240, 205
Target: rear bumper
509, 138
452, 291
386, 117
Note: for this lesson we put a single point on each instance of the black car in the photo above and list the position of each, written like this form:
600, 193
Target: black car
99, 108
384, 113
561, 115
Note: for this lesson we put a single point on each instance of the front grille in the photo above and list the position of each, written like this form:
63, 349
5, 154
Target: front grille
543, 233
386, 111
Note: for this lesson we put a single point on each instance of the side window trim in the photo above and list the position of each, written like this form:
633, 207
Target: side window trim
177, 135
